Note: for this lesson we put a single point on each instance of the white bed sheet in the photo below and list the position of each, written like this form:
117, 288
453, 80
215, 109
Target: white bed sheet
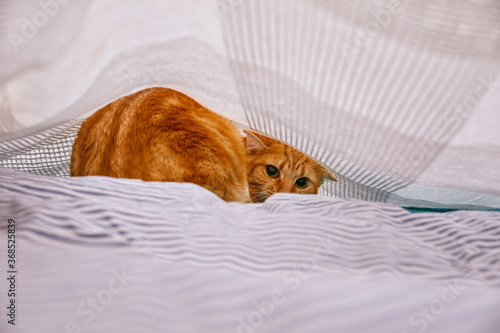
169, 257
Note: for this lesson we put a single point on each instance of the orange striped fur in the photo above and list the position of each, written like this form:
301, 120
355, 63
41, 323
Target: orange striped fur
159, 134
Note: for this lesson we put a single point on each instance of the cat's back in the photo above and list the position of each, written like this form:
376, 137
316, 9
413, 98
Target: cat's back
160, 134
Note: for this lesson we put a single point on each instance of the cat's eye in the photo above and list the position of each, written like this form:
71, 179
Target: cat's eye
272, 171
301, 182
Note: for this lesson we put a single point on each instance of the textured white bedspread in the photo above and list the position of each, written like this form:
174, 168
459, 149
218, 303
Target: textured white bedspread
97, 254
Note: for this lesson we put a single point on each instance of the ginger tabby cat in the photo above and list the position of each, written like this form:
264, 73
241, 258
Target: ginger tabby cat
160, 134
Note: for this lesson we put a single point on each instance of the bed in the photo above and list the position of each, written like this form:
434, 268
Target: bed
399, 99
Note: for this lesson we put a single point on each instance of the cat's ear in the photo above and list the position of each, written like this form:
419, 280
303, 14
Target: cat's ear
257, 142
323, 174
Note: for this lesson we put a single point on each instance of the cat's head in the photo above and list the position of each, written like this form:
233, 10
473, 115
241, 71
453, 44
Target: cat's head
276, 167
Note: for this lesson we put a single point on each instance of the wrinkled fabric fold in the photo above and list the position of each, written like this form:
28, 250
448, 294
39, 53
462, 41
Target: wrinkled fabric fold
393, 96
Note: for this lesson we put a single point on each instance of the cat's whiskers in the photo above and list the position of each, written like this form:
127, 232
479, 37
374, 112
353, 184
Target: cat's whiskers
260, 193
258, 187
262, 190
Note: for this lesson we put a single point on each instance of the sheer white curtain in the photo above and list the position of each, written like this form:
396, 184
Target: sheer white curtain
399, 98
